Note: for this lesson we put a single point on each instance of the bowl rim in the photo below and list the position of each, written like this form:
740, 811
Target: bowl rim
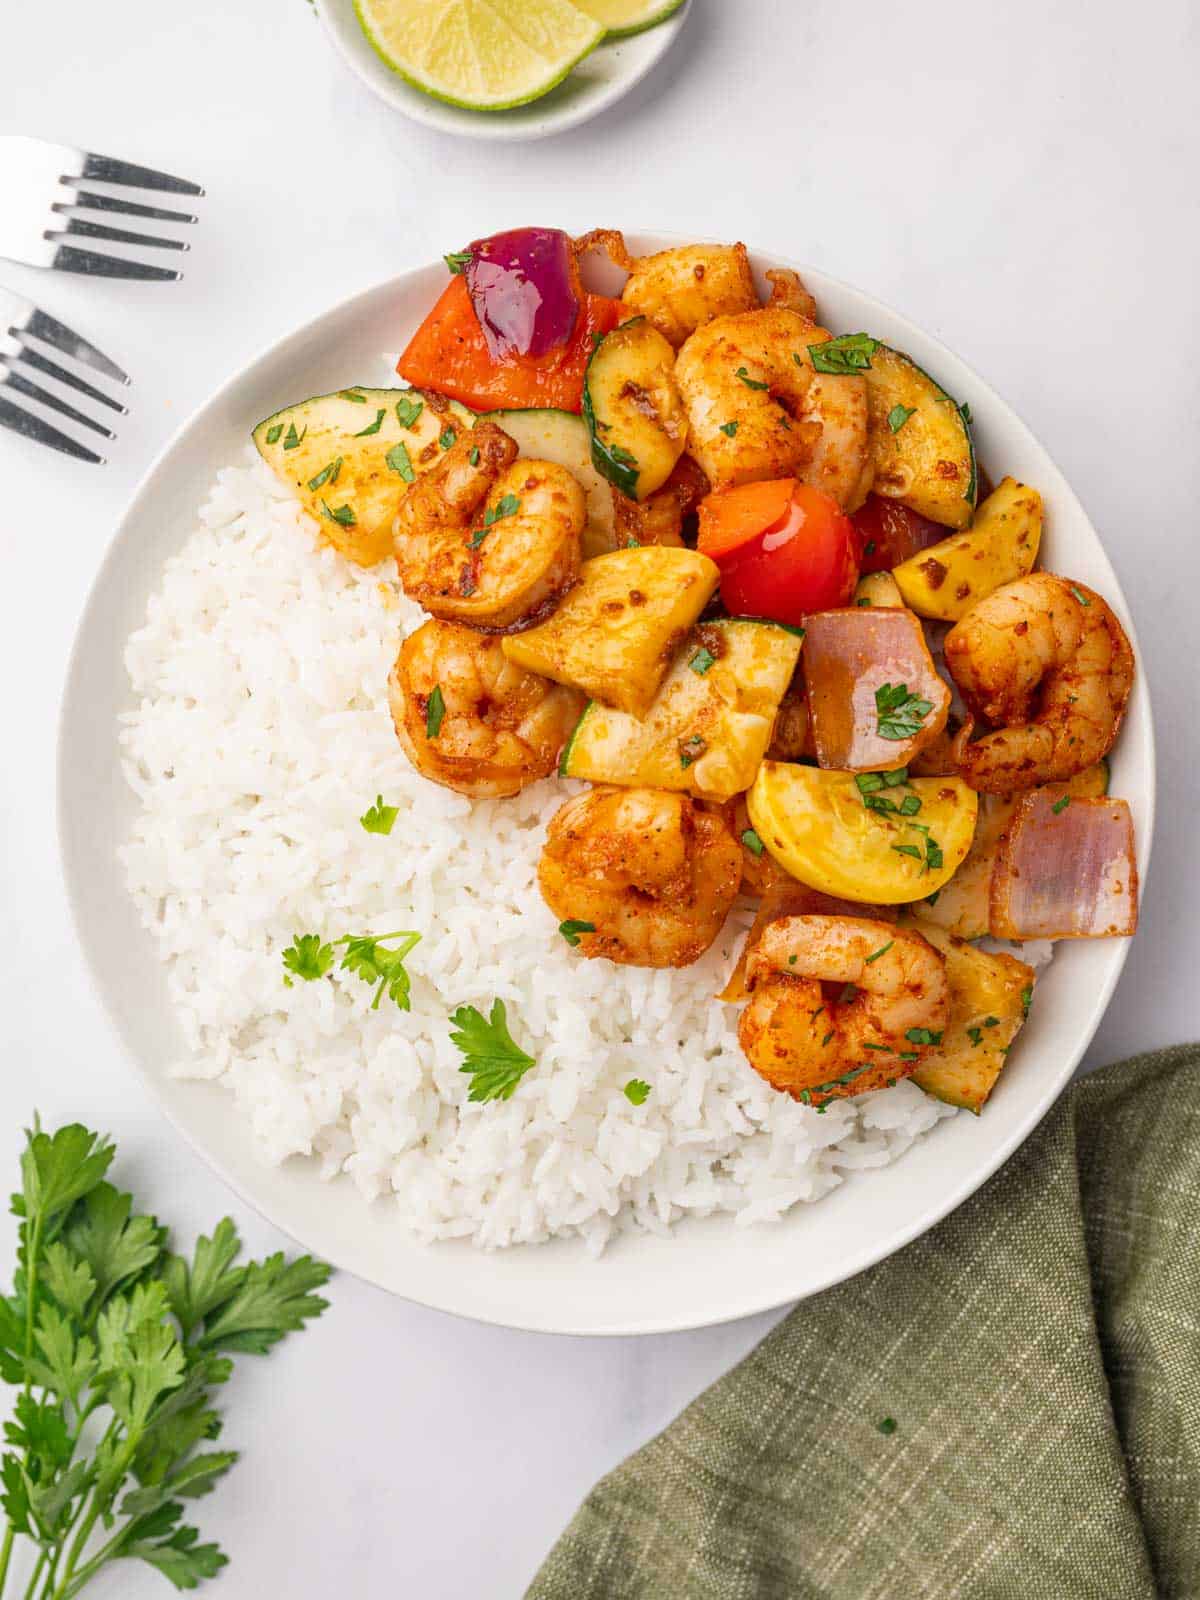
848, 1265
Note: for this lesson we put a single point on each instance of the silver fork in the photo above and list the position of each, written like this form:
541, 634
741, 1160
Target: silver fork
44, 206
20, 323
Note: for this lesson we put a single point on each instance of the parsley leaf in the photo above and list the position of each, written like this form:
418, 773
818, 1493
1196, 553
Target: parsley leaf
352, 394
571, 930
923, 1036
1079, 595
372, 427
408, 410
308, 958
729, 429
752, 842
399, 460
1026, 1001
379, 818
851, 353
275, 433
294, 440
458, 261
447, 437
507, 506
492, 1058
367, 958
636, 1091
274, 1297
899, 713
1060, 806
875, 955
701, 661
751, 383
327, 474
435, 712
887, 1425
343, 516
898, 416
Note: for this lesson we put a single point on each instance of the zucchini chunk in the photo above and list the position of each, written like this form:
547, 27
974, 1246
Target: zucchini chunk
710, 724
963, 907
922, 445
562, 437
989, 1001
615, 633
633, 409
945, 580
879, 589
350, 457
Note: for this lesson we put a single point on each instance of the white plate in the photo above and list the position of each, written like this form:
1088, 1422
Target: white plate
708, 1271
599, 80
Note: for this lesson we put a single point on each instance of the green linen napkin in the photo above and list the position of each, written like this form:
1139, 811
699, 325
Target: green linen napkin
1039, 1354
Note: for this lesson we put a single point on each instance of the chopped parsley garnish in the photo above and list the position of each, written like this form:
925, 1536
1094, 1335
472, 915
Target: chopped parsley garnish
367, 959
408, 410
373, 427
975, 1035
826, 1040
1080, 596
887, 1425
571, 930
869, 782
965, 409
458, 261
751, 383
923, 1036
907, 850
400, 461
869, 548
506, 507
851, 353
898, 416
447, 437
274, 434
379, 818
292, 439
352, 394
343, 516
636, 1091
752, 842
435, 711
874, 956
1061, 805
306, 957
932, 899
327, 474
493, 1060
473, 458
991, 1022
899, 713
729, 429
701, 661
633, 544
1026, 1001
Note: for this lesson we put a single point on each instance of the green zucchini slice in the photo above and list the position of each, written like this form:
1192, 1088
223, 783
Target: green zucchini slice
633, 409
544, 434
924, 455
709, 726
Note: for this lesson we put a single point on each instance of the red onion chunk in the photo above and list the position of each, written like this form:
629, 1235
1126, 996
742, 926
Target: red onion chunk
1065, 869
856, 662
524, 287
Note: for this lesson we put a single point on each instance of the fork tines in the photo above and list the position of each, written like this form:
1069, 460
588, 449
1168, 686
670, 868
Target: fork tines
25, 369
47, 204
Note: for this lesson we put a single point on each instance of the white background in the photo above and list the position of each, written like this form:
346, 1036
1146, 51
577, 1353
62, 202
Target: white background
1020, 179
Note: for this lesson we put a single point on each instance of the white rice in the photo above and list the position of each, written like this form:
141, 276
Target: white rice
261, 735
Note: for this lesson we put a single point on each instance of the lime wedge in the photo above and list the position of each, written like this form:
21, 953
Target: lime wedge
485, 55
623, 17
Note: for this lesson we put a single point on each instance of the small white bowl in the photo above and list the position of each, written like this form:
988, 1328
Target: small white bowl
599, 80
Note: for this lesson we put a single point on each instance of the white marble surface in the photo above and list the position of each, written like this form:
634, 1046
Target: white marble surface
1020, 179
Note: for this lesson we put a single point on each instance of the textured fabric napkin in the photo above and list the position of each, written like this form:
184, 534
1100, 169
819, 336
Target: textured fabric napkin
1039, 1356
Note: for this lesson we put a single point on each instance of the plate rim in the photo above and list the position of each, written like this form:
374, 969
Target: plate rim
392, 89
847, 1266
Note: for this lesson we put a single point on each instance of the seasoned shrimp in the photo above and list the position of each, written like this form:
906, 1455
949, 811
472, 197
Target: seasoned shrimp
647, 876
817, 1047
1048, 663
486, 539
496, 726
746, 397
842, 463
679, 290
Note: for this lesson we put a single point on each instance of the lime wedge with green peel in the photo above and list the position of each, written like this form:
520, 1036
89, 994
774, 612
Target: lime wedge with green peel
622, 17
485, 55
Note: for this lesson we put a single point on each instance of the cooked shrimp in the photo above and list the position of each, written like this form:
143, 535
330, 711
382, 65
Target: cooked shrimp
894, 1005
649, 874
1047, 662
496, 726
789, 294
485, 539
679, 290
842, 463
746, 397
659, 518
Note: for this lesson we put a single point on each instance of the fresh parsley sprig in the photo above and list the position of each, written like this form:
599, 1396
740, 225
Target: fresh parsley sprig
118, 1346
491, 1056
899, 713
367, 958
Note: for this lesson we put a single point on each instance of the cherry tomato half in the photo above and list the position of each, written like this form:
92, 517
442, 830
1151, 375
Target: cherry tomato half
804, 559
